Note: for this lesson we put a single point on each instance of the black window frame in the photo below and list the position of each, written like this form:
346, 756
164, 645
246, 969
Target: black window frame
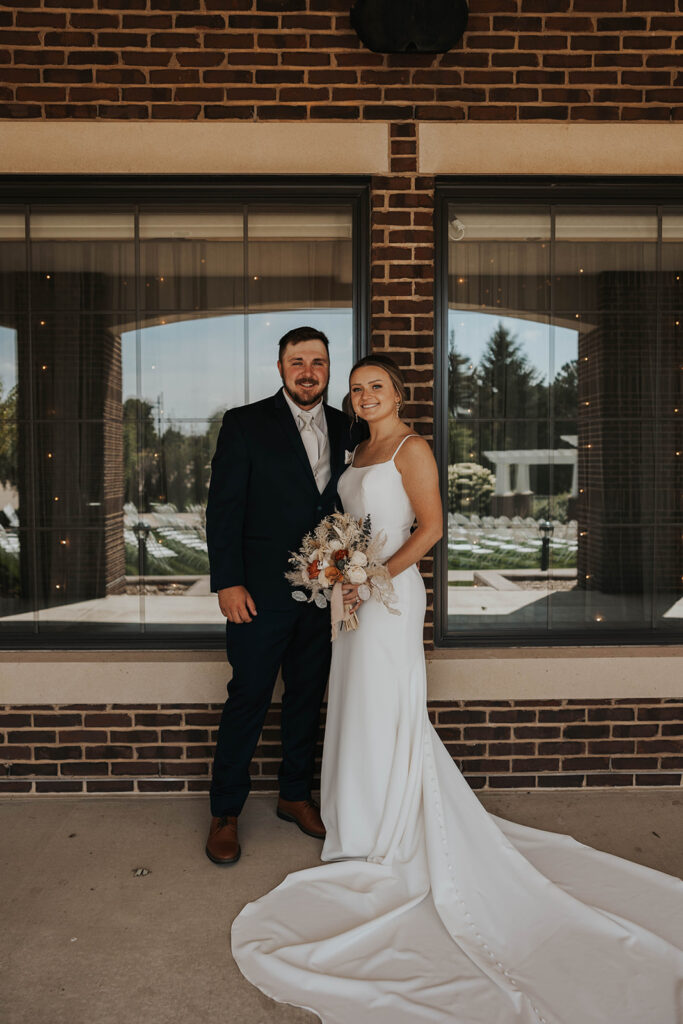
283, 190
519, 191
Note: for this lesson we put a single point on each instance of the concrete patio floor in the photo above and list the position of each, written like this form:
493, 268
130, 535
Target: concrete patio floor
87, 941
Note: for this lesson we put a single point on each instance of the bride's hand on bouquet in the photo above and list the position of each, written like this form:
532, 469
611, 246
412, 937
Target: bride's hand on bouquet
352, 601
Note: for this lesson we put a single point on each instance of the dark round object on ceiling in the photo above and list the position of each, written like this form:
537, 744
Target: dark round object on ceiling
410, 26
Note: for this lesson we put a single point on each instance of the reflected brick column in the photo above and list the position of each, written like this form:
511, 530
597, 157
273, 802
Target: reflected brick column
630, 477
71, 459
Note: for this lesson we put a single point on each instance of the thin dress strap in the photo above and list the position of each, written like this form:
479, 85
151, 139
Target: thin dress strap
401, 445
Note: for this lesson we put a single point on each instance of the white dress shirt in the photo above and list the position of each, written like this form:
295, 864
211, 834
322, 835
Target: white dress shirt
312, 425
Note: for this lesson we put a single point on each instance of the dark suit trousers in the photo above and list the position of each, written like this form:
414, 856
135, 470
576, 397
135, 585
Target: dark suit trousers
299, 641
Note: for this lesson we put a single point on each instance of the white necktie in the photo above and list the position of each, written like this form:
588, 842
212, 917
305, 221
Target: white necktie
309, 437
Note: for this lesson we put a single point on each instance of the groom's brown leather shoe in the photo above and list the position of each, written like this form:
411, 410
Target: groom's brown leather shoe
222, 846
303, 813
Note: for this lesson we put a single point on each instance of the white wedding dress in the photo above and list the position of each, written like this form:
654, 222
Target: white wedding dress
434, 910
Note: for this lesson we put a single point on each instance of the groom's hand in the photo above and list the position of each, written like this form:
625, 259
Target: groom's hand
236, 604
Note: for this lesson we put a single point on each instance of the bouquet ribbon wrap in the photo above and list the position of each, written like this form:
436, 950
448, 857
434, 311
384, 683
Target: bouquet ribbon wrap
338, 612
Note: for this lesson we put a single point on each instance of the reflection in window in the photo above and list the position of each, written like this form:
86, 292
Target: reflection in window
564, 421
120, 350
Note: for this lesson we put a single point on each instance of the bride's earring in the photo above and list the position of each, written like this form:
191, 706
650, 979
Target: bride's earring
356, 418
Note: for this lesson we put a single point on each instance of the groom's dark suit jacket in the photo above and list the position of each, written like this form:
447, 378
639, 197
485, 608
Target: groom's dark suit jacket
263, 497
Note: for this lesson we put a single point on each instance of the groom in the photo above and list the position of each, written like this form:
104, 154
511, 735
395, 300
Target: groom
273, 478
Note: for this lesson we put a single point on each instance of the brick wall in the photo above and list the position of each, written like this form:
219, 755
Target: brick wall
589, 60
497, 744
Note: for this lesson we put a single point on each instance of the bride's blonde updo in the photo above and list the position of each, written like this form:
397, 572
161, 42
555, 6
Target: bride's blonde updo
387, 364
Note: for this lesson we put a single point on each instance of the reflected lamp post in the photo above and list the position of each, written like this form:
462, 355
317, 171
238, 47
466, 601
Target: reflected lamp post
545, 528
142, 530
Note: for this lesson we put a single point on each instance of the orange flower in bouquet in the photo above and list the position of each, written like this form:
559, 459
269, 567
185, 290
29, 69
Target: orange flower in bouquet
341, 550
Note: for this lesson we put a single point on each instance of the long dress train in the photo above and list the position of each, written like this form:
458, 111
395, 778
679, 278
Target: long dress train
431, 909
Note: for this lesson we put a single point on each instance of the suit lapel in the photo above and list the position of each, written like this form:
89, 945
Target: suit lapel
335, 441
291, 432
335, 433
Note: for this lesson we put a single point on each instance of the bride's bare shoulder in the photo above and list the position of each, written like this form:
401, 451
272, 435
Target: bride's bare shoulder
415, 452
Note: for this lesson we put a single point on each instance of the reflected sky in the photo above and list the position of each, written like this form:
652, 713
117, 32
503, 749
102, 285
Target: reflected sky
547, 348
8, 359
193, 369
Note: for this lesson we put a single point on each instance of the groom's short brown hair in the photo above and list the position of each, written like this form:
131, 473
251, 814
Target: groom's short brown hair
298, 334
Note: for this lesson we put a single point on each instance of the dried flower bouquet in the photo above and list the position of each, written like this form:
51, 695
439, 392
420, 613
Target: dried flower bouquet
341, 550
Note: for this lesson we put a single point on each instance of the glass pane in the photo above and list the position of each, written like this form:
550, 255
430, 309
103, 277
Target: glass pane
8, 368
498, 366
614, 580
14, 599
496, 578
78, 471
192, 366
109, 419
76, 364
82, 259
594, 225
300, 258
605, 260
581, 454
266, 329
499, 258
192, 260
508, 277
13, 280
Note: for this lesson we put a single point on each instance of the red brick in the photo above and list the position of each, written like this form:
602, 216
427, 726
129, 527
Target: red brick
658, 779
121, 76
84, 768
82, 736
33, 768
109, 751
58, 786
662, 713
563, 781
160, 785
12, 751
38, 57
613, 779
512, 781
32, 736
177, 40
9, 720
40, 19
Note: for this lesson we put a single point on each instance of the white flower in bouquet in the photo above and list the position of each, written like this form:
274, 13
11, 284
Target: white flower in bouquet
341, 550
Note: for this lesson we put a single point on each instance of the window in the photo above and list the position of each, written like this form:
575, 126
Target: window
561, 437
128, 324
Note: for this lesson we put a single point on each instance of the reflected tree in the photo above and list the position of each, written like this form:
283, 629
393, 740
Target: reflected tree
8, 436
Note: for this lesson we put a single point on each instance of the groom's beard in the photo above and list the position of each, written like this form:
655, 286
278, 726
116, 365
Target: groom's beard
305, 398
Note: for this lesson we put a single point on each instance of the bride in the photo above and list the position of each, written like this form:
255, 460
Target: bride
429, 908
